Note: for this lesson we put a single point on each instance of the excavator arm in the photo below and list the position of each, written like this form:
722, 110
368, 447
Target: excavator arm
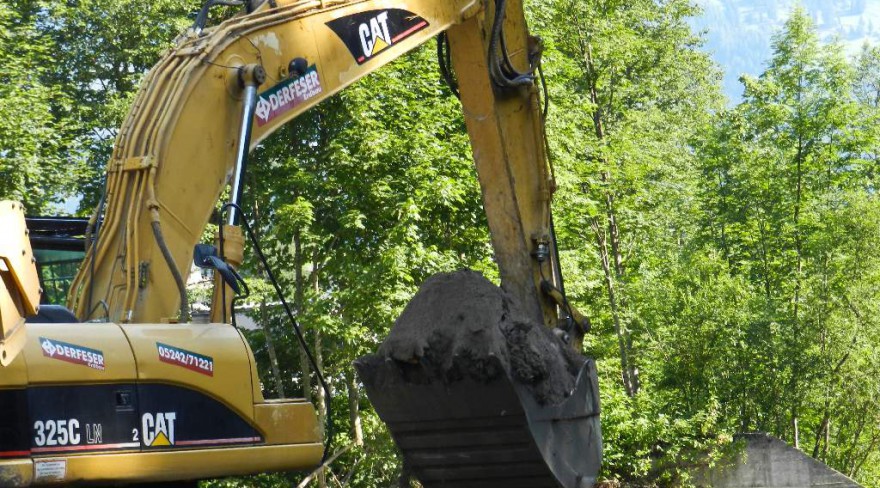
136, 384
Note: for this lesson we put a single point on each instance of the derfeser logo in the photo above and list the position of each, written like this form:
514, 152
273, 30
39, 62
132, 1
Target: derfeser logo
366, 34
72, 353
287, 95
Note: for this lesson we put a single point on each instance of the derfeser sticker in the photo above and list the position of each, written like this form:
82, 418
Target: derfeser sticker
72, 353
287, 95
186, 359
366, 34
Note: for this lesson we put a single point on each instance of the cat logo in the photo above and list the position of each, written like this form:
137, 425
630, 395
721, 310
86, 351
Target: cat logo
366, 34
158, 429
375, 37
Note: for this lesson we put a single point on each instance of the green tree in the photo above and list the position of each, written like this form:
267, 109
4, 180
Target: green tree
105, 49
630, 90
33, 115
70, 72
789, 199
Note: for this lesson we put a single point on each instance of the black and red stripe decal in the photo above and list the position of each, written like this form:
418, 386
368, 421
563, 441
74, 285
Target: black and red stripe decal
65, 420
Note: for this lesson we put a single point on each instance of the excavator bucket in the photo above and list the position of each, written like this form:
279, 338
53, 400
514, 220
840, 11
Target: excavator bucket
469, 433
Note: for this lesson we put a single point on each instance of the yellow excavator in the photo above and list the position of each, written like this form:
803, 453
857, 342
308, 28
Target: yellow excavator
120, 387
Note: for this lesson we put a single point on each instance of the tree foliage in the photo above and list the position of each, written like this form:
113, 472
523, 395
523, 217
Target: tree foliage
34, 140
790, 204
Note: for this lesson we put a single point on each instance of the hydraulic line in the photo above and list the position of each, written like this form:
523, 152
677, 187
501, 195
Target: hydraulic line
94, 227
153, 205
178, 279
444, 60
115, 183
546, 93
135, 247
504, 76
202, 18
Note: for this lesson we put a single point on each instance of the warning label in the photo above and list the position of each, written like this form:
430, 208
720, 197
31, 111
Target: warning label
46, 470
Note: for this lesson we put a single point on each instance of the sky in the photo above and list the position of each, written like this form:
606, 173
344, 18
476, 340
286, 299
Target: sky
739, 32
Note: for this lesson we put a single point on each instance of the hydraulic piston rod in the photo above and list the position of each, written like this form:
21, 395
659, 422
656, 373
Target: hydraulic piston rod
251, 77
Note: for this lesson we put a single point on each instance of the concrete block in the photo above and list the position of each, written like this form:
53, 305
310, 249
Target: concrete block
768, 462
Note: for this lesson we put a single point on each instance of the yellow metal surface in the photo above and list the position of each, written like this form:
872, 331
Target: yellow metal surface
19, 282
256, 385
16, 472
182, 465
130, 355
14, 340
230, 381
506, 132
288, 422
51, 361
87, 470
15, 375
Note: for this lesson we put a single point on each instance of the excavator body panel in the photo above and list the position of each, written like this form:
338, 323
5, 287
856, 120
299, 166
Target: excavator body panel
109, 403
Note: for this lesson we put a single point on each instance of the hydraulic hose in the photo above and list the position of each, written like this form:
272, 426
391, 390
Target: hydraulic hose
175, 272
153, 206
496, 43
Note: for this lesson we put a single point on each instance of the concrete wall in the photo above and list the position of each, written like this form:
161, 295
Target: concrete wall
769, 462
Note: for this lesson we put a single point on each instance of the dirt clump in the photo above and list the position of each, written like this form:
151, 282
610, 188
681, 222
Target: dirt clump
461, 325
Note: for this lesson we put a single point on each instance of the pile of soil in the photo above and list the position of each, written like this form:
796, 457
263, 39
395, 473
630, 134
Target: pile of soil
461, 325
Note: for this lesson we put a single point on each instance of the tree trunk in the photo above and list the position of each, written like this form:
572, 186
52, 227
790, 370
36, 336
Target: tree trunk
320, 398
870, 450
612, 258
798, 244
601, 243
299, 304
270, 346
354, 413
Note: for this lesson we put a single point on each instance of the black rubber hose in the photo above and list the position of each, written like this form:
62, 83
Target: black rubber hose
506, 80
202, 17
175, 272
443, 60
546, 93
